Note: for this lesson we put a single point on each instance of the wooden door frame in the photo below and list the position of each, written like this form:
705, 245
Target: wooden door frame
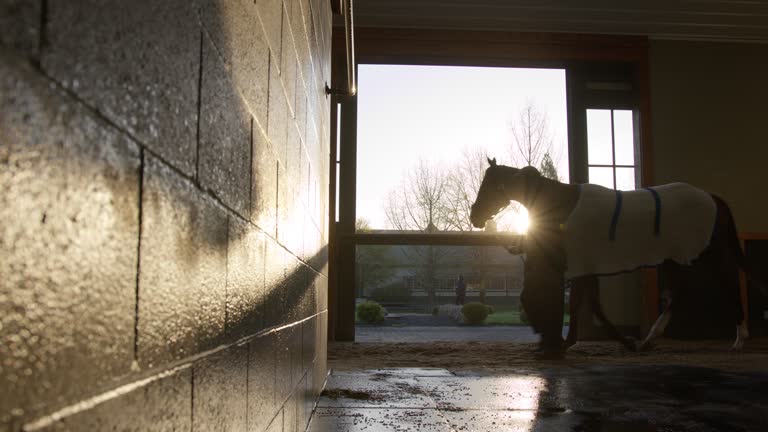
467, 48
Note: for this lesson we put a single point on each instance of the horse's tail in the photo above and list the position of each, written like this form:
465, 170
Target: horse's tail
726, 222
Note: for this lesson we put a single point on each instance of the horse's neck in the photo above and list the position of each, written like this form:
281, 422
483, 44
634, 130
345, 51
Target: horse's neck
551, 201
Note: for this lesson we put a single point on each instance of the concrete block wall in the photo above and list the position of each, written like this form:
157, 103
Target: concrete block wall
164, 171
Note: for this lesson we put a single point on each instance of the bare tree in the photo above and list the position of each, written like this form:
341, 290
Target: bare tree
418, 203
531, 137
462, 183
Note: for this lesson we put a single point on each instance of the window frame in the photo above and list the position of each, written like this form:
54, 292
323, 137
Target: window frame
635, 150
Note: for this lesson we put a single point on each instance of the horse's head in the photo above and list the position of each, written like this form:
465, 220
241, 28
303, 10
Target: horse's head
491, 197
500, 185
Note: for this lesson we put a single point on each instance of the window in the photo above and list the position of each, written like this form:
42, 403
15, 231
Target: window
611, 148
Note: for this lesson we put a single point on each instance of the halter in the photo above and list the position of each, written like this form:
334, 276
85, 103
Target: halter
527, 197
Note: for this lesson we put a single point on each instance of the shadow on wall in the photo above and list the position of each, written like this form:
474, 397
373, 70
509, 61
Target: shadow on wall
135, 244
69, 287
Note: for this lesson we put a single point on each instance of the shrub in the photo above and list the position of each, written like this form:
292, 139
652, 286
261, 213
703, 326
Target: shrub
451, 311
491, 310
435, 310
370, 312
474, 313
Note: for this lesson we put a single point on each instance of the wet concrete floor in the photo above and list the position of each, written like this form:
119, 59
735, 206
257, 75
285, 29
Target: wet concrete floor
589, 398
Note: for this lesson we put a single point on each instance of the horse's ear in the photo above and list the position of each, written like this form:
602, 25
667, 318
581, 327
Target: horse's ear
491, 162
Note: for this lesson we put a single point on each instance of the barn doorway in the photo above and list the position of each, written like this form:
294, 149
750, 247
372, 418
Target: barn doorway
424, 134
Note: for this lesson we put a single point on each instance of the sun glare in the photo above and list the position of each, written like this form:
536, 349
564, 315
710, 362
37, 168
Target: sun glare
513, 220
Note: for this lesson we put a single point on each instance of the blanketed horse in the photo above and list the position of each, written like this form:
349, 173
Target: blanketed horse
580, 232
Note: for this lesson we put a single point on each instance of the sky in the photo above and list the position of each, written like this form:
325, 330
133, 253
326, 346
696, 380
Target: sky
433, 112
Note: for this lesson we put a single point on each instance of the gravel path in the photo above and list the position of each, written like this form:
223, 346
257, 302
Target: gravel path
518, 334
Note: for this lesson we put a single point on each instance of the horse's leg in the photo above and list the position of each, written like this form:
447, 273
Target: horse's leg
742, 330
670, 271
658, 327
574, 306
597, 309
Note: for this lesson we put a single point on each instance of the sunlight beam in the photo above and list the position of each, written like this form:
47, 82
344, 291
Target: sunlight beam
513, 219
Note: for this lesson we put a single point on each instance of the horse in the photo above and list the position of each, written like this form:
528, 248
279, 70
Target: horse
580, 232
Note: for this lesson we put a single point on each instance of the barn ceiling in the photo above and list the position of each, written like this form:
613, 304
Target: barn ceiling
726, 20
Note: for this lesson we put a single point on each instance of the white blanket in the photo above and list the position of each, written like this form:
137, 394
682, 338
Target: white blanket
686, 220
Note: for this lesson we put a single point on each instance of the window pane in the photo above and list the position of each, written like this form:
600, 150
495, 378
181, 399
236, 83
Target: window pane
337, 190
421, 154
623, 132
601, 176
625, 178
599, 144
338, 132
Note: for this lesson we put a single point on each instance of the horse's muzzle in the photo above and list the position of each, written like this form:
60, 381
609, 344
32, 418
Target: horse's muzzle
477, 222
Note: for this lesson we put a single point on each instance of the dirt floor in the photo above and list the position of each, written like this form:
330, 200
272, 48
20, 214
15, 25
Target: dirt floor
501, 355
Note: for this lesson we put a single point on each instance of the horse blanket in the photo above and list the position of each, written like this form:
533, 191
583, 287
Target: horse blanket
610, 231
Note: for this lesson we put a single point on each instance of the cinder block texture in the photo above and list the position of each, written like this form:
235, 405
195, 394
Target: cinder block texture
164, 173
321, 291
293, 162
308, 343
295, 306
20, 26
275, 284
225, 135
300, 25
162, 404
183, 268
290, 414
220, 391
295, 348
246, 299
234, 28
285, 345
262, 367
264, 184
277, 125
288, 66
271, 15
320, 366
277, 423
69, 203
137, 62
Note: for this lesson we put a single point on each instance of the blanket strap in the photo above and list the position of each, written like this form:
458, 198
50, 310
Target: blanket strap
615, 218
657, 216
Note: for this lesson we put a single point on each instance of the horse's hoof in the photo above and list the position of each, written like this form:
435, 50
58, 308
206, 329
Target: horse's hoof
549, 355
737, 346
630, 344
645, 346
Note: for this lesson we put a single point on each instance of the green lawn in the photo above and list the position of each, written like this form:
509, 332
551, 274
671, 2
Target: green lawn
510, 318
504, 318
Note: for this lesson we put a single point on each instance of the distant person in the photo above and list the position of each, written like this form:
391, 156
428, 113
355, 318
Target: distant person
461, 290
